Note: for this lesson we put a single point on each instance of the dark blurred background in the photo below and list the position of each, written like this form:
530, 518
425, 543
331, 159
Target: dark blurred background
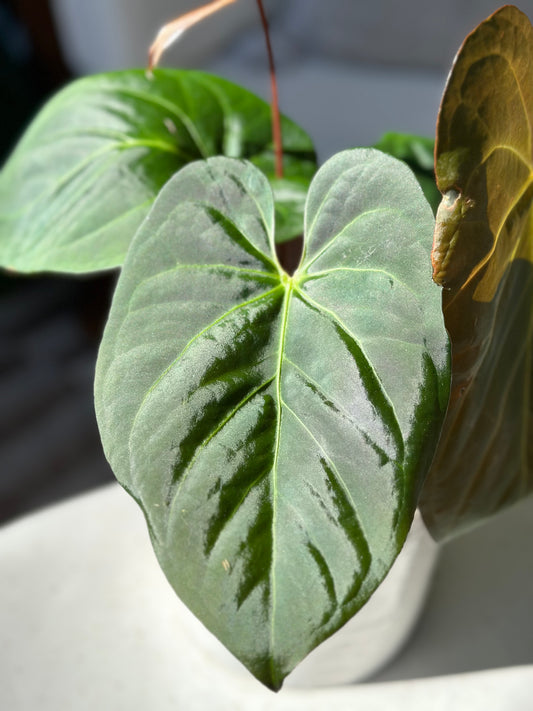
347, 72
49, 327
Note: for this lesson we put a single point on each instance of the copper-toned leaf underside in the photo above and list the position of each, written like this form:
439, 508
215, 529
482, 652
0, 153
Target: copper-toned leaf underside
483, 257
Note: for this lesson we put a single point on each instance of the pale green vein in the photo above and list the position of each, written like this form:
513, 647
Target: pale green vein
255, 274
224, 222
511, 149
394, 425
172, 497
65, 212
71, 198
283, 334
514, 205
61, 181
527, 43
120, 139
174, 109
198, 335
314, 548
154, 143
86, 237
331, 242
269, 233
309, 229
340, 479
357, 270
342, 411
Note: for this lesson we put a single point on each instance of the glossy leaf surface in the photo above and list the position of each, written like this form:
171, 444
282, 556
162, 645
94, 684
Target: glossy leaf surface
483, 256
276, 430
87, 170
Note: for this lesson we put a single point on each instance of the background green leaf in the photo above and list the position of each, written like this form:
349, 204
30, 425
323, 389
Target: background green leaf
276, 430
483, 256
88, 168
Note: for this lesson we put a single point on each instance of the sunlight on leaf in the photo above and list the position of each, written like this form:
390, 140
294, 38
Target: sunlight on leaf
276, 430
483, 256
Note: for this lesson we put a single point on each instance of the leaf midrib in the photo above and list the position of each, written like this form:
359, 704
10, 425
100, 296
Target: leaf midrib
288, 286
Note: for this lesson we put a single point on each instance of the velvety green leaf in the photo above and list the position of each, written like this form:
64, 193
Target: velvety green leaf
483, 256
275, 429
417, 152
88, 168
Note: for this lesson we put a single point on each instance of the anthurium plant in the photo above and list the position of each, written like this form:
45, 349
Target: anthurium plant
280, 427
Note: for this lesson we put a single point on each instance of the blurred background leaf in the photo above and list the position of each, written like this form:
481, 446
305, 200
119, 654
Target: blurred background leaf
86, 171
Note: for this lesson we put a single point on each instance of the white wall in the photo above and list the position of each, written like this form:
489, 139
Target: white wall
411, 32
102, 35
99, 35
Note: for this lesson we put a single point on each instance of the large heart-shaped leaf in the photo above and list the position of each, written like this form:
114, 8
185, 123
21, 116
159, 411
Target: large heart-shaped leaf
276, 429
483, 256
88, 168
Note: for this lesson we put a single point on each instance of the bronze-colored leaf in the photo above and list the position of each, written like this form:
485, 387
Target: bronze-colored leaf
483, 256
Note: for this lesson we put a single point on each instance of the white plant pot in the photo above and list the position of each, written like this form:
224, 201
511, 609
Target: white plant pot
371, 638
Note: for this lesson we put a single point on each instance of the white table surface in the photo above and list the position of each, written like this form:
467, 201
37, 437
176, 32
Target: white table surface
87, 621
